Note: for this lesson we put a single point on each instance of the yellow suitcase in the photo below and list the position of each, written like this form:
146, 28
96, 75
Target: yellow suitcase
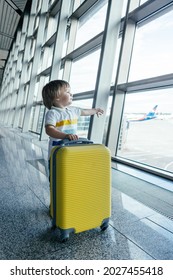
80, 186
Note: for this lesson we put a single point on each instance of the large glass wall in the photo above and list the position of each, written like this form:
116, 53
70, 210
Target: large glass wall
145, 133
123, 64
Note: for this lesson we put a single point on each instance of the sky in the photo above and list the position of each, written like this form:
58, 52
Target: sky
152, 56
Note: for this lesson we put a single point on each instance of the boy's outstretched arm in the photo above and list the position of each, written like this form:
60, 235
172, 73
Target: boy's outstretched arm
93, 111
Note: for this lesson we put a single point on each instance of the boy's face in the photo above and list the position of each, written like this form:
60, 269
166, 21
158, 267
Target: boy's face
64, 98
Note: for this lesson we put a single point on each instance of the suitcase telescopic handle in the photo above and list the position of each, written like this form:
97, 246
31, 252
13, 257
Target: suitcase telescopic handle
67, 142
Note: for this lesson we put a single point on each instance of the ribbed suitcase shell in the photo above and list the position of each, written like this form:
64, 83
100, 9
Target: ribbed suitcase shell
80, 180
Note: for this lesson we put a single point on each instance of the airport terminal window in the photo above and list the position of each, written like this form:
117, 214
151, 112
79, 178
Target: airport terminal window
146, 134
49, 54
36, 118
92, 23
84, 73
32, 48
40, 118
28, 73
51, 26
31, 126
13, 101
12, 116
43, 61
36, 92
40, 61
83, 122
16, 85
21, 117
25, 94
64, 49
152, 54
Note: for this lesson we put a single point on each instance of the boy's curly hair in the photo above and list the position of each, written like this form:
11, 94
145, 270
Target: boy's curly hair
51, 90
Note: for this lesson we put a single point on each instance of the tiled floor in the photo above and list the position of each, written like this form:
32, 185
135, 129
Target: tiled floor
136, 232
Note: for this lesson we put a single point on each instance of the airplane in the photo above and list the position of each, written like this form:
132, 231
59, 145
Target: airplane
149, 116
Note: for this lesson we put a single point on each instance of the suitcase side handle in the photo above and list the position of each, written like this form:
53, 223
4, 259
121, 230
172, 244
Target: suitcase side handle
67, 142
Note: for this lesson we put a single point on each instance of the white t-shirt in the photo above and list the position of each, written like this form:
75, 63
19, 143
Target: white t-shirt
64, 119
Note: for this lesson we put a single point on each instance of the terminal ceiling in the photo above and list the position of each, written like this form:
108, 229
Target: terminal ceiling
10, 14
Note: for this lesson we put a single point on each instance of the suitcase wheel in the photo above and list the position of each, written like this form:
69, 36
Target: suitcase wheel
64, 239
65, 234
104, 225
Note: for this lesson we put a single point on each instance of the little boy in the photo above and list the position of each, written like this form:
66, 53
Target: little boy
61, 118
